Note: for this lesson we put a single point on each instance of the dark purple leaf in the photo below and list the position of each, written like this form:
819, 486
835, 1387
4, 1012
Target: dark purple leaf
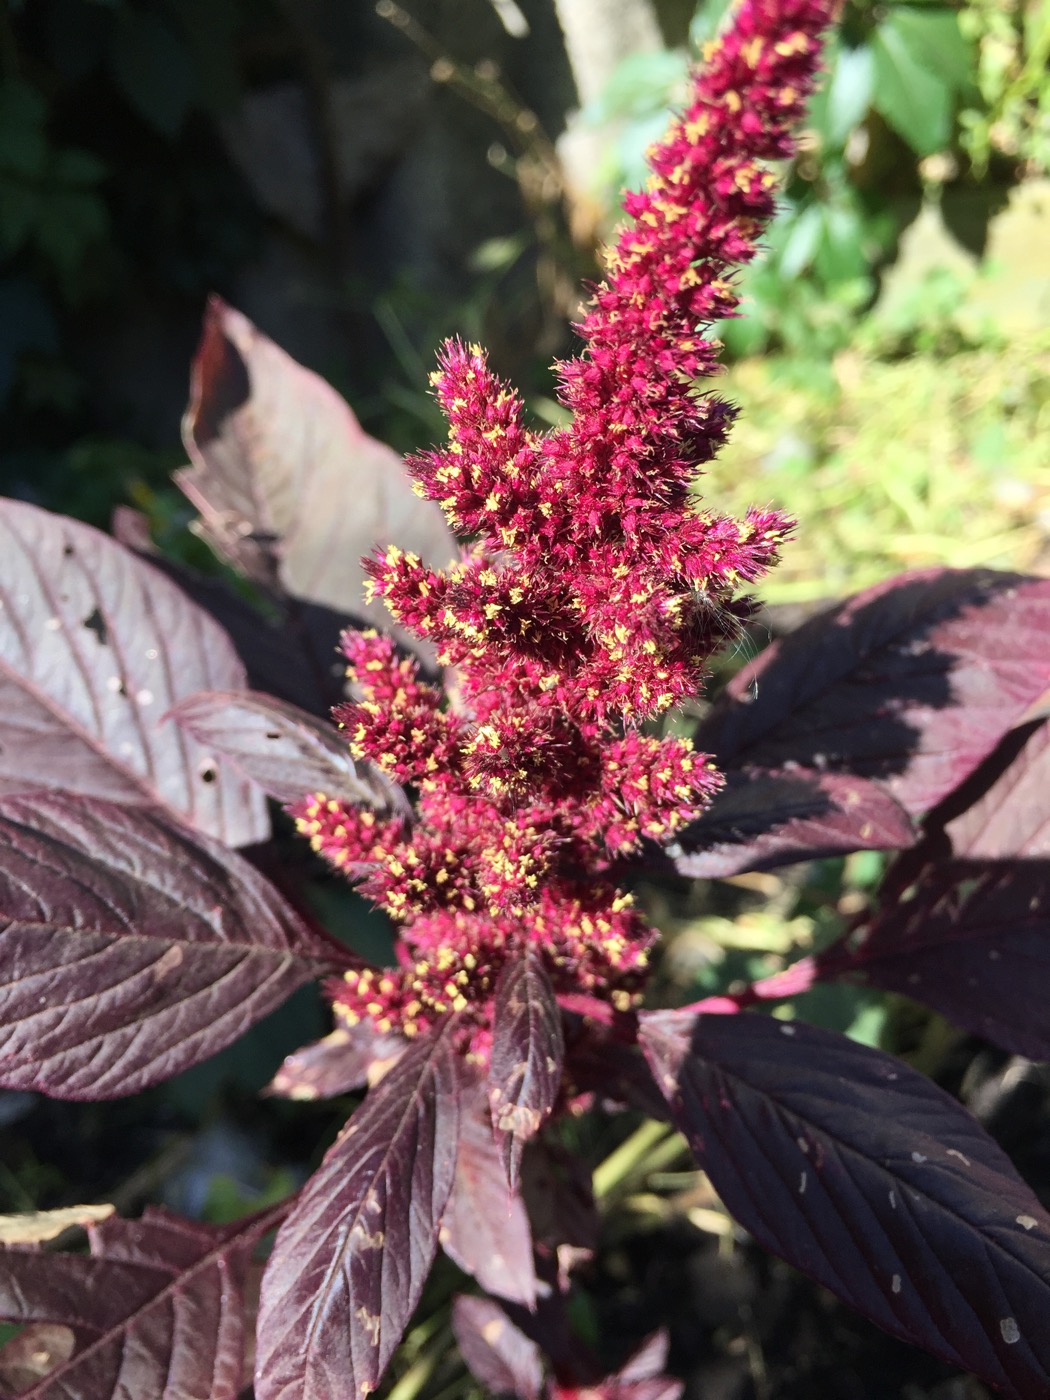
558, 1191
910, 684
614, 1070
971, 940
655, 1388
1011, 819
860, 1172
763, 819
648, 1361
485, 1229
528, 1050
498, 1355
290, 488
285, 750
95, 647
131, 949
156, 1310
347, 1059
351, 1260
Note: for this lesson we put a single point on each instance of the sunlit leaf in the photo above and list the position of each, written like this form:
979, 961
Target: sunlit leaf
34, 1226
346, 1059
95, 647
909, 684
1011, 818
290, 488
915, 102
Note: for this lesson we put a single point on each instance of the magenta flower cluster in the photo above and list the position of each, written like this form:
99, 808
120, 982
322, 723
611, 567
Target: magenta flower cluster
595, 590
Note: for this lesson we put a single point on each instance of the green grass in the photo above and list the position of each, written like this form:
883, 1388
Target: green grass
893, 464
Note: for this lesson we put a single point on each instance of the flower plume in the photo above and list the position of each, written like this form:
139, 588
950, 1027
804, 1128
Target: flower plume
595, 590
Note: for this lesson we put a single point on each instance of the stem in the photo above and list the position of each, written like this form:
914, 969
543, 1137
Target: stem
629, 1156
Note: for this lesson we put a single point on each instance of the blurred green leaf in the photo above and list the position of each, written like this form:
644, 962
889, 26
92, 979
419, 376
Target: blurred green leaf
496, 254
211, 32
23, 144
27, 322
934, 39
707, 21
77, 168
840, 255
915, 100
803, 237
153, 69
19, 211
849, 92
640, 85
635, 139
229, 1199
70, 220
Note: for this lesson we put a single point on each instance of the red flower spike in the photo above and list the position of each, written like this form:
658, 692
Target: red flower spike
352, 838
397, 722
596, 591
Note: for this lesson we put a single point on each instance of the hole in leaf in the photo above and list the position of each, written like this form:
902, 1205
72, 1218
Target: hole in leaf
272, 734
35, 1351
95, 622
208, 773
67, 550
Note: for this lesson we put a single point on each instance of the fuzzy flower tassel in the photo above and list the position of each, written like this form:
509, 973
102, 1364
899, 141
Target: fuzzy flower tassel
595, 591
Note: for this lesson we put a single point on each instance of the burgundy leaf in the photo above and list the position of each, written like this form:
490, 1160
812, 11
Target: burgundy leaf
648, 1361
345, 1060
95, 647
528, 1050
350, 1261
614, 1070
971, 940
131, 949
558, 1191
156, 1310
290, 488
293, 656
485, 1229
285, 750
763, 819
860, 1172
1012, 816
910, 683
655, 1388
498, 1355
